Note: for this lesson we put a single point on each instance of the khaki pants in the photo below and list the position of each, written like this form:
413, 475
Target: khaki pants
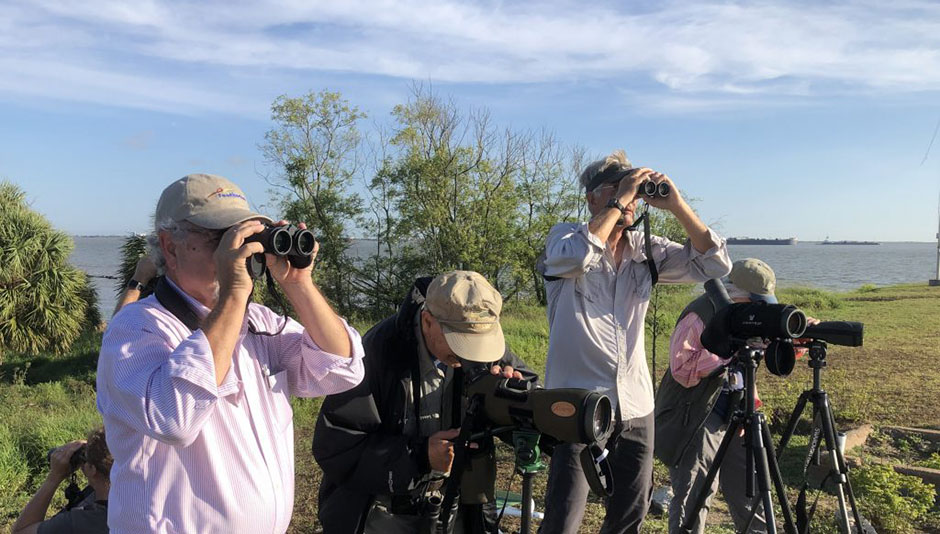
689, 478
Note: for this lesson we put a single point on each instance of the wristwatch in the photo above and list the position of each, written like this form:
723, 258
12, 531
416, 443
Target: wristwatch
614, 203
134, 284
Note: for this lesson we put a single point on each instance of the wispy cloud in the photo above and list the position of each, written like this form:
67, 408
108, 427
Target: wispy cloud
179, 56
139, 141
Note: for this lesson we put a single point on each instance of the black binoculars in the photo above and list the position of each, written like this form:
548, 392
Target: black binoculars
297, 244
653, 189
77, 458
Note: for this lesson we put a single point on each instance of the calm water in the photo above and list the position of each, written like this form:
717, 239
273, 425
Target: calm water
843, 267
837, 267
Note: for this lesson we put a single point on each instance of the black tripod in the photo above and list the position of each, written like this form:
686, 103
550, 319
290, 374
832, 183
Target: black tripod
823, 432
759, 456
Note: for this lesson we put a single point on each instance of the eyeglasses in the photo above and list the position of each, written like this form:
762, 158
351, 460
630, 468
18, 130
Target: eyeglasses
212, 237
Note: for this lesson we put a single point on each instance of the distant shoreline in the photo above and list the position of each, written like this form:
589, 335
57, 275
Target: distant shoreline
371, 239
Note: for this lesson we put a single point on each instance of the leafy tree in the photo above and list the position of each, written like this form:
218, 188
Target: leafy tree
383, 276
314, 146
548, 193
452, 191
44, 301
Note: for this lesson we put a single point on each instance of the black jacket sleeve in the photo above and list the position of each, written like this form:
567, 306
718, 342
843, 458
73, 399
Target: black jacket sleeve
353, 448
352, 443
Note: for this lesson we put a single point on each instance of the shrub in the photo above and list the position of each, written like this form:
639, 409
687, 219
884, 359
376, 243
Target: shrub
810, 299
933, 462
43, 300
892, 501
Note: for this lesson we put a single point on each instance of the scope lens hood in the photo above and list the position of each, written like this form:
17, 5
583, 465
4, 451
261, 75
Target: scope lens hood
780, 357
596, 417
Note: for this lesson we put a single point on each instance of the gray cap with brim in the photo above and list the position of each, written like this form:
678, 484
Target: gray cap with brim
206, 200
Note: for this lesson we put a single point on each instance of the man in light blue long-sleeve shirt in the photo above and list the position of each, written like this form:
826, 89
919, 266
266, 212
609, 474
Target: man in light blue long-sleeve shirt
598, 284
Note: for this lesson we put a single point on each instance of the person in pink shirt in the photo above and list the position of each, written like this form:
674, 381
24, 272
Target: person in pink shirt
695, 402
194, 382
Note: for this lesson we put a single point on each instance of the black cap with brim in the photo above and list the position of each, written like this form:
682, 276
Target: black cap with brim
612, 174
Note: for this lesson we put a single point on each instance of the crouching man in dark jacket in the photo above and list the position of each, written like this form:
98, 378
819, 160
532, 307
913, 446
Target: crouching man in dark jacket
386, 445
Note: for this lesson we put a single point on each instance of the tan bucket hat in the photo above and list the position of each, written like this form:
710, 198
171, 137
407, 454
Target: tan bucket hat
205, 200
467, 307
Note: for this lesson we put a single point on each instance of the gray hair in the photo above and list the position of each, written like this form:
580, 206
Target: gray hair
616, 158
177, 230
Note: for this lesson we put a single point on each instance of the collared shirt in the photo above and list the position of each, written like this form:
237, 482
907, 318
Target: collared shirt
191, 456
596, 311
434, 406
689, 361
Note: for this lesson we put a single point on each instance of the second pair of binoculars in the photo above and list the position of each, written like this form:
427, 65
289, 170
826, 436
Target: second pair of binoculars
297, 244
77, 458
654, 189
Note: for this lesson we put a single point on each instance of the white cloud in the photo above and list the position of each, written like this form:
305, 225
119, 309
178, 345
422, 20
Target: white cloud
140, 140
176, 56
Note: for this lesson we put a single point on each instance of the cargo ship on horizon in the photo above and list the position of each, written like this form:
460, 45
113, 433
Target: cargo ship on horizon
827, 242
760, 241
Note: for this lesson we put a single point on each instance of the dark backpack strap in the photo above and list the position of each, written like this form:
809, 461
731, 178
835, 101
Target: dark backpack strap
170, 299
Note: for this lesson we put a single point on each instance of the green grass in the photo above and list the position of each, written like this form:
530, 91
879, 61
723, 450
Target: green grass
891, 380
44, 402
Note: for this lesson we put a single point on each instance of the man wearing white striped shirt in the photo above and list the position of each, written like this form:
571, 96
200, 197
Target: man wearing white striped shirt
197, 411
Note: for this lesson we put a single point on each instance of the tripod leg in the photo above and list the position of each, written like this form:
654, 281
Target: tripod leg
688, 523
777, 478
844, 486
794, 419
773, 469
762, 470
526, 500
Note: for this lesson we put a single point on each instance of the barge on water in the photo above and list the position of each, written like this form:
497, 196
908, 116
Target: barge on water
760, 241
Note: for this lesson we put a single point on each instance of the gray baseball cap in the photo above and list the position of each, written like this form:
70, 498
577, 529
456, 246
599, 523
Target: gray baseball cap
205, 200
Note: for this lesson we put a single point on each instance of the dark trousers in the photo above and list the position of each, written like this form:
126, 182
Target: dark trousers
631, 460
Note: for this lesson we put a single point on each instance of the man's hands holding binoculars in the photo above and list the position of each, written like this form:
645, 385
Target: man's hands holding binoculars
235, 248
60, 460
630, 188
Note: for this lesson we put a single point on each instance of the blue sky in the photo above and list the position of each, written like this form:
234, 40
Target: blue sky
806, 119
